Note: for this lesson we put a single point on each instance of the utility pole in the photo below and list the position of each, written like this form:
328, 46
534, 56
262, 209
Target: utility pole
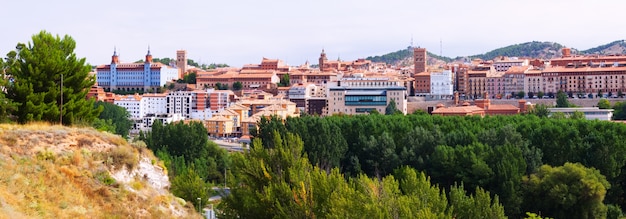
61, 114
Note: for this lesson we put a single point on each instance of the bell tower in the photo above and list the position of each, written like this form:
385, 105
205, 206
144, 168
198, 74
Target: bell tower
148, 56
115, 59
322, 60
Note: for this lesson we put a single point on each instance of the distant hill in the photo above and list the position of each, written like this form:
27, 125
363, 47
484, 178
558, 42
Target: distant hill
403, 57
615, 47
534, 49
62, 172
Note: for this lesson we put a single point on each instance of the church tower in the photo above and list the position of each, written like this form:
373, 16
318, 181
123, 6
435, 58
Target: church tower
181, 62
148, 56
419, 57
322, 60
114, 58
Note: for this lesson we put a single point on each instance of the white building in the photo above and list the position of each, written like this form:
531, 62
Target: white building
132, 103
441, 84
359, 95
155, 104
591, 113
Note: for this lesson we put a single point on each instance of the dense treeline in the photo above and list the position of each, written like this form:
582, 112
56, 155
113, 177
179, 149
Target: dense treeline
193, 162
503, 155
275, 180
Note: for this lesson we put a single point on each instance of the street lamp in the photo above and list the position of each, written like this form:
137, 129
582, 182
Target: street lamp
200, 205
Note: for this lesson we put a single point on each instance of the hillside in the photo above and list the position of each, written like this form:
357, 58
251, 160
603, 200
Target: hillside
535, 49
615, 47
543, 50
61, 172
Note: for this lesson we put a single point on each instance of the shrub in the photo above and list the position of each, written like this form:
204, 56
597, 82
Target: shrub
123, 156
104, 177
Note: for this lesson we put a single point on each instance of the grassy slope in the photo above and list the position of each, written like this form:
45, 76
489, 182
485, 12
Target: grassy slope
59, 172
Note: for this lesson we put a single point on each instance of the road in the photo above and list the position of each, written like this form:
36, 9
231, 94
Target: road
229, 146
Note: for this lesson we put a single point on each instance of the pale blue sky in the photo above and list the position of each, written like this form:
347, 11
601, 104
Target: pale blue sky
242, 32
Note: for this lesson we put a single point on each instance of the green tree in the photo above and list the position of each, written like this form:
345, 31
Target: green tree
478, 205
189, 186
520, 94
568, 191
540, 94
117, 115
561, 100
604, 104
190, 78
540, 110
38, 69
558, 115
284, 81
577, 115
237, 86
7, 107
391, 108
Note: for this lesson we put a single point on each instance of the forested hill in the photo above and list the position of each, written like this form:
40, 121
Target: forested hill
534, 49
404, 55
615, 47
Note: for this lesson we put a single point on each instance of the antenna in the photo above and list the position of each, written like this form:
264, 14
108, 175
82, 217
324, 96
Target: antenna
440, 47
411, 40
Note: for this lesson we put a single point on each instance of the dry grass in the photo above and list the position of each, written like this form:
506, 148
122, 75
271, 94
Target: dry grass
50, 171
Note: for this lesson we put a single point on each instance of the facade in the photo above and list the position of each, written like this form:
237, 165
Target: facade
514, 79
181, 62
441, 83
258, 79
586, 79
422, 84
533, 83
420, 60
503, 64
134, 76
363, 95
133, 104
476, 82
309, 98
155, 104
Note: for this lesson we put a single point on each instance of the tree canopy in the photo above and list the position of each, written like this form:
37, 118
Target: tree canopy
38, 69
117, 116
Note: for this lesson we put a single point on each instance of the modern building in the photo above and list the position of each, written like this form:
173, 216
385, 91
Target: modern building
141, 77
422, 84
503, 64
591, 113
363, 95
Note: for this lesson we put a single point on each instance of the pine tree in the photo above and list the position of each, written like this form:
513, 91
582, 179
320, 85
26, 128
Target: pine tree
38, 70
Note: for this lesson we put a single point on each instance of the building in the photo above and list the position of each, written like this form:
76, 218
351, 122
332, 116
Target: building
363, 95
140, 77
132, 103
514, 79
252, 79
586, 79
420, 60
533, 82
422, 84
181, 62
504, 63
308, 97
591, 113
154, 104
441, 84
482, 107
477, 82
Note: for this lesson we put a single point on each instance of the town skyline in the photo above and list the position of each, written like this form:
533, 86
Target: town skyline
238, 33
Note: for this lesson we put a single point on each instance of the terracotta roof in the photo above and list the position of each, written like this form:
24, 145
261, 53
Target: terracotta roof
517, 69
218, 118
558, 69
502, 107
458, 109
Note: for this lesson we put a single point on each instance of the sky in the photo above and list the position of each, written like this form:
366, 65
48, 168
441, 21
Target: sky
238, 32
